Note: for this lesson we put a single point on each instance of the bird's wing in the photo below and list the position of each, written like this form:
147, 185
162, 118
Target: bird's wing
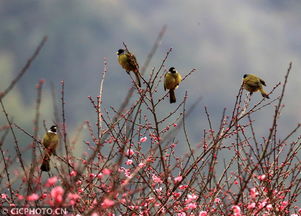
252, 81
44, 142
133, 60
179, 78
253, 84
262, 82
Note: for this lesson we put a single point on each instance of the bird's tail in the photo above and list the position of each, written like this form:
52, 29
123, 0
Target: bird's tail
264, 94
137, 78
172, 96
45, 164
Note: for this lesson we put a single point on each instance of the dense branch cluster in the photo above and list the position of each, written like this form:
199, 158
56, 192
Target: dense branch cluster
131, 167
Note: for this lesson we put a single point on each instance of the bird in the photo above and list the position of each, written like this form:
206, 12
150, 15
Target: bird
50, 142
253, 83
128, 61
172, 80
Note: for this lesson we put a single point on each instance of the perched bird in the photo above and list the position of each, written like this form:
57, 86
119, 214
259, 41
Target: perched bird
253, 83
50, 142
172, 80
128, 62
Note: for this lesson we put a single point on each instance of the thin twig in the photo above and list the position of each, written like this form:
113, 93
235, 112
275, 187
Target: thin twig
24, 69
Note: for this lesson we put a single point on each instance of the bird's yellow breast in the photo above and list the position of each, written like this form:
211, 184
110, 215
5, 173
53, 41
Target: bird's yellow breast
50, 140
172, 80
125, 62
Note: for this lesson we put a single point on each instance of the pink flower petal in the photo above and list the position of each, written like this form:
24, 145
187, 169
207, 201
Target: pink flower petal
143, 139
107, 203
33, 197
178, 179
51, 181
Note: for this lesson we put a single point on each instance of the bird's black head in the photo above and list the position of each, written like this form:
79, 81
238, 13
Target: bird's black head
245, 75
120, 51
53, 129
172, 70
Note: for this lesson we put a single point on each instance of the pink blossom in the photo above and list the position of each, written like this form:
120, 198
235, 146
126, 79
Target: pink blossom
106, 171
183, 187
181, 214
73, 198
73, 173
217, 200
178, 179
269, 207
127, 172
236, 182
236, 209
283, 205
261, 177
150, 159
129, 162
92, 175
51, 181
158, 190
191, 205
132, 207
294, 215
157, 179
99, 176
191, 197
141, 165
262, 204
251, 205
203, 213
253, 193
3, 196
57, 194
94, 214
174, 124
130, 152
107, 203
20, 197
176, 194
143, 139
33, 197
